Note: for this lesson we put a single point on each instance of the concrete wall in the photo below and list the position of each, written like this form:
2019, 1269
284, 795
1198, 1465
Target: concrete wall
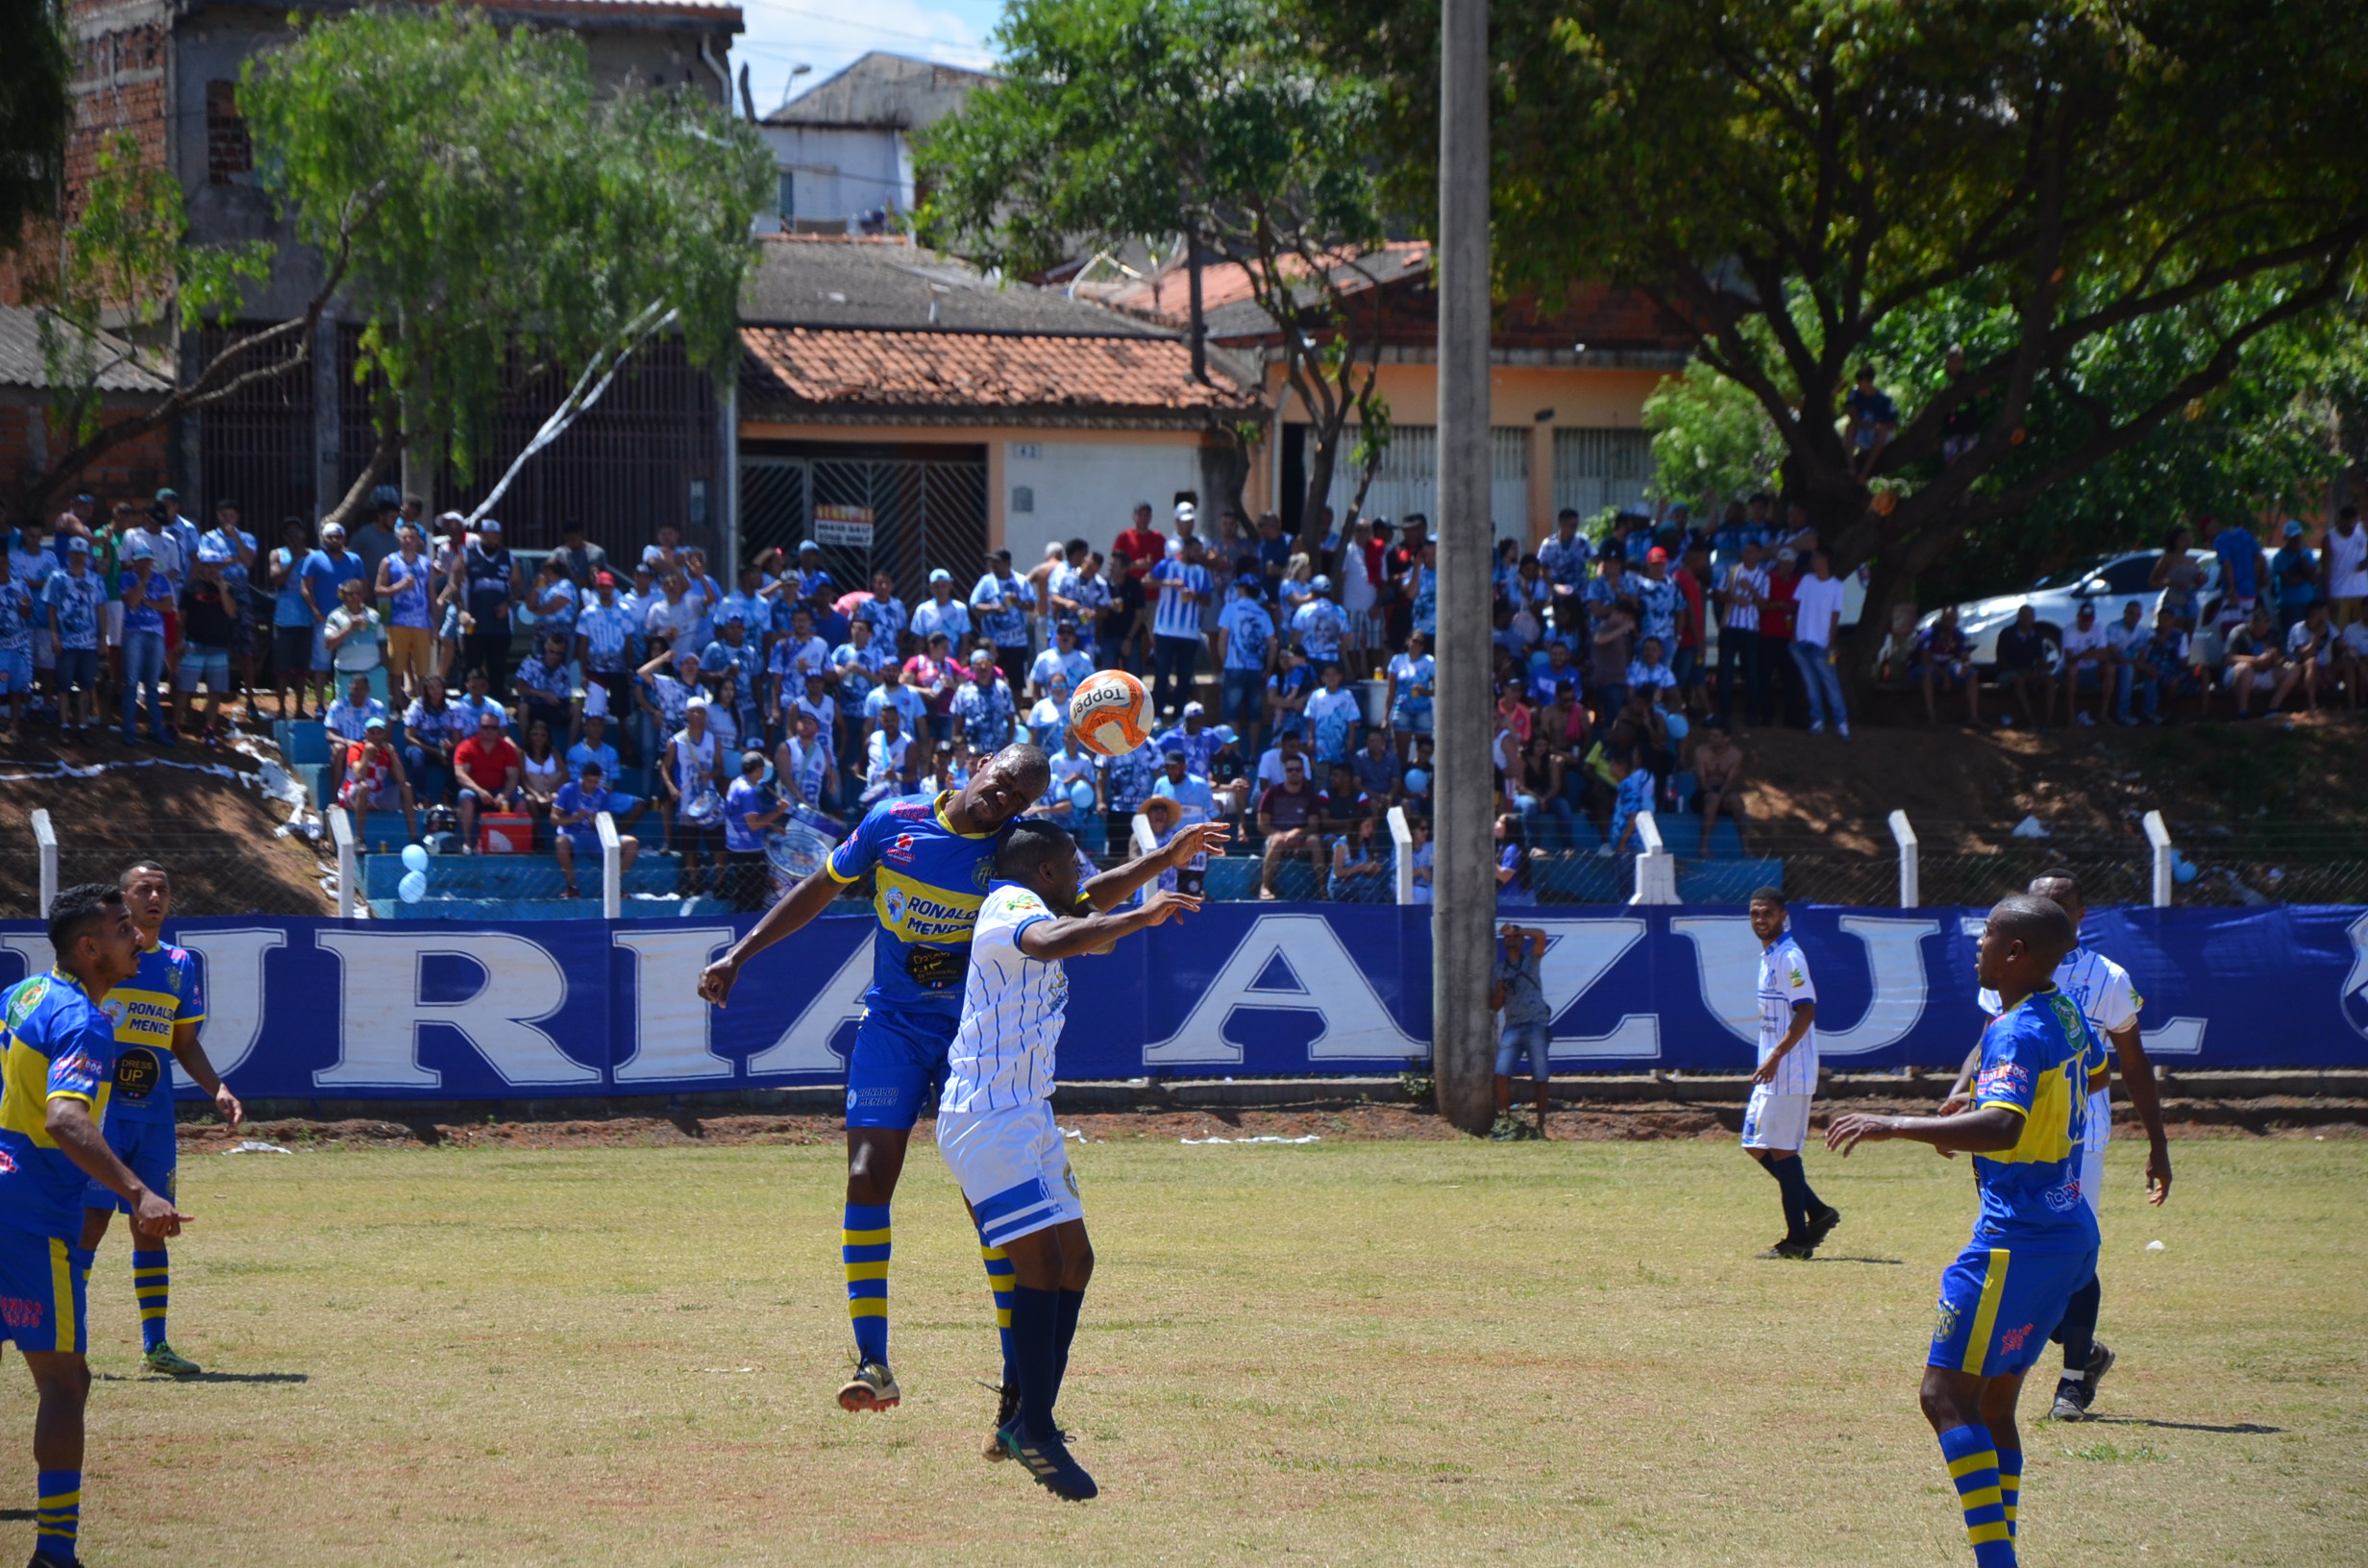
840, 172
1087, 488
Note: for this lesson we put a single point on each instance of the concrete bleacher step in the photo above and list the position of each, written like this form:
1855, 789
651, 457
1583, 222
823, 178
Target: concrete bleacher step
1726, 881
515, 876
544, 909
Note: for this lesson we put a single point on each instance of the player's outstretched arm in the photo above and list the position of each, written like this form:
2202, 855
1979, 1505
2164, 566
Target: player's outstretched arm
807, 899
69, 1122
1111, 887
2138, 1076
1071, 936
1986, 1131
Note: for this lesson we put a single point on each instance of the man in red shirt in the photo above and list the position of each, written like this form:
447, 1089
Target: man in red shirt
1694, 579
487, 769
1289, 815
1145, 545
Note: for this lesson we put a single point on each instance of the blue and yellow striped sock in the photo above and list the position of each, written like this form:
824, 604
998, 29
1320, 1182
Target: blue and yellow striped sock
57, 1516
1000, 1278
864, 1248
2009, 1483
151, 1286
1973, 1465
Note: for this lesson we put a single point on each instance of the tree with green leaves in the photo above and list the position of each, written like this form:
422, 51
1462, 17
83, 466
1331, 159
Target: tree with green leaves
1121, 118
1802, 179
35, 111
518, 218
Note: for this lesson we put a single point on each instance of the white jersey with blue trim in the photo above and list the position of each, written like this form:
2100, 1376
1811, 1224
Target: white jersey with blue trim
1012, 1011
2106, 1000
1784, 984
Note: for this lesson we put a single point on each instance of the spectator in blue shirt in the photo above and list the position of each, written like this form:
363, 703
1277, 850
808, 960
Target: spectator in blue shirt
320, 580
1182, 584
1635, 795
2295, 572
1249, 658
1377, 767
749, 812
576, 829
984, 711
593, 747
2241, 568
941, 611
1002, 602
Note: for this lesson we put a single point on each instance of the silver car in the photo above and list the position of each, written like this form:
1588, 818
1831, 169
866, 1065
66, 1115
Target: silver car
2108, 581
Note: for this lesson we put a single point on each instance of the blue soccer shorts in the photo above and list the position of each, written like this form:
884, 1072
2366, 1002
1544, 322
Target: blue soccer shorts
42, 1292
898, 1067
151, 1149
1998, 1308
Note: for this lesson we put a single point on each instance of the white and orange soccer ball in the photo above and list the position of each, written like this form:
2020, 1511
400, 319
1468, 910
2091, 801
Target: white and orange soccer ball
1111, 713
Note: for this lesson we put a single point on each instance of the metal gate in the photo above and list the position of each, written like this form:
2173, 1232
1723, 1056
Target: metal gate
256, 447
926, 512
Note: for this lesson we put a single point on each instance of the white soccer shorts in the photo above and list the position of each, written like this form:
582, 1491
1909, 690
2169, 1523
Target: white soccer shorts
2099, 1133
1013, 1168
1775, 1122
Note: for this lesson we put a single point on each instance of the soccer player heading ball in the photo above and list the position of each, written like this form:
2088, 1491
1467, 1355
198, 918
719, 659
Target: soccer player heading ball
994, 1126
2036, 1242
930, 859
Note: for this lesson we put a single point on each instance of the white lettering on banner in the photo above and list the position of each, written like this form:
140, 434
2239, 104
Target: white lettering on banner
381, 1009
234, 960
1324, 986
2178, 1037
1578, 953
673, 1034
1727, 961
2352, 999
805, 1046
32, 947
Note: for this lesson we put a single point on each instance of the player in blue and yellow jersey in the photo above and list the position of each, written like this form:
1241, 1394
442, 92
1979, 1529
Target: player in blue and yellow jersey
57, 1066
156, 1012
2036, 1242
929, 859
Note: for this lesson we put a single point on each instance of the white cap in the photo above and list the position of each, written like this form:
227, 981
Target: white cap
1184, 512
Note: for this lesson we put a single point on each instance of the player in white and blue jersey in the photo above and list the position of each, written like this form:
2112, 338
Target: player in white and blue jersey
995, 1122
929, 859
2036, 1242
1776, 1121
2110, 1004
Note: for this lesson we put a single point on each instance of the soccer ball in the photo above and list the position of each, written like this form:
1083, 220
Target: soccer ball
1111, 713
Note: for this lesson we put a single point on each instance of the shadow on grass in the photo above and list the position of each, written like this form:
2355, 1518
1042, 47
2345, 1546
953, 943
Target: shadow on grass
2242, 1428
1886, 1262
207, 1376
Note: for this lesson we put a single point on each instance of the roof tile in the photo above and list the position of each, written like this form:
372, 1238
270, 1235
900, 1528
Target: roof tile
862, 368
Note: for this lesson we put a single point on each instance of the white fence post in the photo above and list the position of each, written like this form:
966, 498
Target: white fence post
46, 844
1911, 874
1656, 866
349, 872
1145, 840
612, 867
1403, 863
2158, 835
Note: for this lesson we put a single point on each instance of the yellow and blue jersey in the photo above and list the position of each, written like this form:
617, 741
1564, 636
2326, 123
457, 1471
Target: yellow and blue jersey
928, 878
54, 1043
2035, 1061
167, 993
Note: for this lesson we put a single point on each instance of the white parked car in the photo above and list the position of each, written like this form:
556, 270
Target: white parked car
2108, 581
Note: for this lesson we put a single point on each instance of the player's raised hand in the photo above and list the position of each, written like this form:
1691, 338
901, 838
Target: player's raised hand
715, 980
1199, 839
1163, 906
1846, 1133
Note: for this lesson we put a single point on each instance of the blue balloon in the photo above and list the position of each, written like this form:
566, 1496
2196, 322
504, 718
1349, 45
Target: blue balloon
415, 858
413, 887
2183, 870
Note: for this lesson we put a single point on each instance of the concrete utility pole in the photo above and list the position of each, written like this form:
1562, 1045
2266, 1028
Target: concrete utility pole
1464, 914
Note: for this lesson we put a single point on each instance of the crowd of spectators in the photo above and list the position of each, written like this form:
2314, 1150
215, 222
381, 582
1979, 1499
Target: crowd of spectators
1292, 675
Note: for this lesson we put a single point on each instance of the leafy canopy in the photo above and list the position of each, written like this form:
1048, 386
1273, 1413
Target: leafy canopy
494, 200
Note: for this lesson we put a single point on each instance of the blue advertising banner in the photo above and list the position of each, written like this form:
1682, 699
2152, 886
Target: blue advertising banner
428, 1010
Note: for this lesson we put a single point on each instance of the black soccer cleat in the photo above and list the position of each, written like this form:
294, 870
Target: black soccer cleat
1797, 1251
1822, 1224
1047, 1460
2100, 1362
2072, 1397
1007, 1412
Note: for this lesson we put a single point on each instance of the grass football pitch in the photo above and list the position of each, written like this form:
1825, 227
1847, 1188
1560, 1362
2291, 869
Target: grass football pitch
1340, 1353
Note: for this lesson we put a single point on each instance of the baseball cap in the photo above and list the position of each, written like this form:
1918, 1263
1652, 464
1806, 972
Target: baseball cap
168, 493
696, 702
941, 574
1191, 709
77, 546
805, 545
1184, 511
451, 517
1657, 554
386, 497
2293, 530
376, 721
1224, 734
2088, 606
1322, 585
490, 525
605, 580
328, 529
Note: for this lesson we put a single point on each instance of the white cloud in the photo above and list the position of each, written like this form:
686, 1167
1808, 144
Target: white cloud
828, 33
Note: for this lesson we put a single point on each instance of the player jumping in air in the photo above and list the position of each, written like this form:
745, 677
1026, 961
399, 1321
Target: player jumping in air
930, 859
2110, 1002
996, 1128
2035, 1243
157, 1010
1776, 1121
57, 1066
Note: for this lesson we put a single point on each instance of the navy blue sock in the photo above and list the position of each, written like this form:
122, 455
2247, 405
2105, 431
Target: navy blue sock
1796, 1217
1809, 1200
1035, 1351
2077, 1332
1072, 1303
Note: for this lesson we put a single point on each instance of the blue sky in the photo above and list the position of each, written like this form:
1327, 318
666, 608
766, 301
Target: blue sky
827, 33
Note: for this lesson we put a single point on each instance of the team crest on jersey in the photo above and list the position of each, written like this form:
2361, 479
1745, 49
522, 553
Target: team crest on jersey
172, 977
28, 997
982, 874
1944, 1324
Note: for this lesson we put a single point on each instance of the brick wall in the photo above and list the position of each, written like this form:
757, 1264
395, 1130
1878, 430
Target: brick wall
131, 472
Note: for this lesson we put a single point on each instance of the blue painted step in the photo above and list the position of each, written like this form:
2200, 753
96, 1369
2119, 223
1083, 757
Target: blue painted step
545, 909
1726, 881
514, 876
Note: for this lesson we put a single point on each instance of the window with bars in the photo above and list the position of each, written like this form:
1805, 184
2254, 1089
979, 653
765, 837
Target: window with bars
1600, 468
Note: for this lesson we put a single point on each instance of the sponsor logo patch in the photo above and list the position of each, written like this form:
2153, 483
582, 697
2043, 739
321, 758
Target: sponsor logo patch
2012, 1340
17, 1312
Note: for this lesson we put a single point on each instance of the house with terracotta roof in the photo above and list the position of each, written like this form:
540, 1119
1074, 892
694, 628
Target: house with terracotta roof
907, 411
1569, 378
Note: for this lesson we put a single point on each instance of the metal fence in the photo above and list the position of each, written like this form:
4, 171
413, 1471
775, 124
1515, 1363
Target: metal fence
924, 513
213, 873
